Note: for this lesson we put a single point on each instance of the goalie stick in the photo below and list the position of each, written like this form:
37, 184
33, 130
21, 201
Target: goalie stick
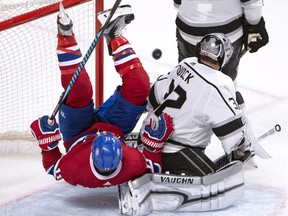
84, 60
132, 138
257, 149
243, 52
277, 128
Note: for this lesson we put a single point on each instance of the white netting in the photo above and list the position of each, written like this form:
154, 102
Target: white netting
29, 75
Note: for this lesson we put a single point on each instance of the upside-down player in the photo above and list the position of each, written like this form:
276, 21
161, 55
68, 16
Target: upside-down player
96, 155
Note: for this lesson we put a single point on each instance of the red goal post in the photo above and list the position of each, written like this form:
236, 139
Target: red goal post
29, 74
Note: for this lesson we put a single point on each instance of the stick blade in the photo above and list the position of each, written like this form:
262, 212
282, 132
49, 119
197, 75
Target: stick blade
260, 152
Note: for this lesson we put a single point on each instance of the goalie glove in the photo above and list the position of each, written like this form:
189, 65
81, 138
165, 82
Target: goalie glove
157, 132
48, 135
255, 36
243, 152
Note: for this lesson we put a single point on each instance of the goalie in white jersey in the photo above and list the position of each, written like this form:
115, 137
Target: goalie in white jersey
201, 101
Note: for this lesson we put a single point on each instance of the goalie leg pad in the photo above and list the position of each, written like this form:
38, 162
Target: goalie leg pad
162, 192
132, 195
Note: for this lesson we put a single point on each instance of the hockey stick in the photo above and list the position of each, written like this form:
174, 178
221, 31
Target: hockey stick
224, 159
84, 60
131, 140
243, 52
277, 128
258, 150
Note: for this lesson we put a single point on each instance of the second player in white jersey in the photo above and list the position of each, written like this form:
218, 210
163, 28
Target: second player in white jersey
240, 20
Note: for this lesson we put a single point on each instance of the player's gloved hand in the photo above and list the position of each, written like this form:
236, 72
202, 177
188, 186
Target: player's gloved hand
47, 134
243, 151
157, 132
255, 36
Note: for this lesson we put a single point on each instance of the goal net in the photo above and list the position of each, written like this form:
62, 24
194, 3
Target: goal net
30, 78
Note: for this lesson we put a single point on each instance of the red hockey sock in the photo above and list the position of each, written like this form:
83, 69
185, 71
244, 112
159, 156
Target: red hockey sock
135, 81
124, 56
69, 58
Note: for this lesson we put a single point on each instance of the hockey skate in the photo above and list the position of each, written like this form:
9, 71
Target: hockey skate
64, 23
116, 26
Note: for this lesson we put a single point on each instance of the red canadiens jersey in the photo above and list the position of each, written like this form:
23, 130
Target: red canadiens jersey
77, 167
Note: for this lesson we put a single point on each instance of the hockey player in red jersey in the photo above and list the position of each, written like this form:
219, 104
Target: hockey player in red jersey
96, 154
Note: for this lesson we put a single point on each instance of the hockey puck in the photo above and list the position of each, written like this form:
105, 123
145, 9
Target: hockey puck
156, 54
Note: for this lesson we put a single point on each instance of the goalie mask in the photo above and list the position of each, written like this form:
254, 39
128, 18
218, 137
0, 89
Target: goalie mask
106, 152
215, 46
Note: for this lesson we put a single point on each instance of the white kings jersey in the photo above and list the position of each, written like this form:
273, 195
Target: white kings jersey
197, 18
201, 101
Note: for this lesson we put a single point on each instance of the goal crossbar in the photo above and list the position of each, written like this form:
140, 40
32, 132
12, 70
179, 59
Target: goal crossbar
37, 13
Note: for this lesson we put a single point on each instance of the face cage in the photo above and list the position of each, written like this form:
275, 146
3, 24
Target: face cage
216, 57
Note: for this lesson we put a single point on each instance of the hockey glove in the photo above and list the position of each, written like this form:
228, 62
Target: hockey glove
157, 132
47, 135
255, 36
243, 152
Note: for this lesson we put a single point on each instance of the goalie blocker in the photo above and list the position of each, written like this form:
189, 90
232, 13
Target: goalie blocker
182, 193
